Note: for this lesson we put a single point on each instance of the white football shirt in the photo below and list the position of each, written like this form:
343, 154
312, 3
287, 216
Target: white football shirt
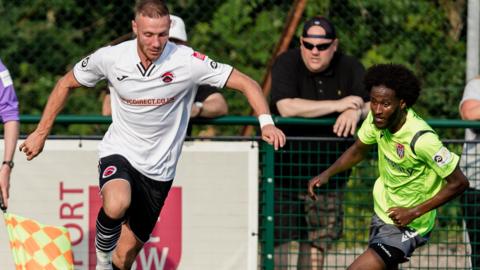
150, 105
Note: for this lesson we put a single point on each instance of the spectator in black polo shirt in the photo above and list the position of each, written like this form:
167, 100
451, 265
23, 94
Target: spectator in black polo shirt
313, 81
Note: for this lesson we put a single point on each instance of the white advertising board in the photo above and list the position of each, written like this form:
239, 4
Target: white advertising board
209, 221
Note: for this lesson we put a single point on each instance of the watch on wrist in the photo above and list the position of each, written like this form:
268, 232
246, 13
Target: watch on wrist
9, 163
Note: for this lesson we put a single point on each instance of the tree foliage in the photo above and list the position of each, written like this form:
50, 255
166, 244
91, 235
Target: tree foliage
41, 39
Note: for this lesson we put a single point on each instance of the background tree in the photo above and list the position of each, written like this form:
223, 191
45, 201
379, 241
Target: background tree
41, 39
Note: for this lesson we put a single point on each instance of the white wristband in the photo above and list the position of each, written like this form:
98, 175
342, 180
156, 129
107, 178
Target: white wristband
265, 119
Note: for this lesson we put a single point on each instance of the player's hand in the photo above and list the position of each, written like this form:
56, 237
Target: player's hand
346, 122
401, 216
4, 186
273, 136
317, 181
349, 102
33, 145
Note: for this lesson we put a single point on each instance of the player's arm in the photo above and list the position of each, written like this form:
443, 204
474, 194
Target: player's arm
457, 183
354, 154
253, 92
33, 145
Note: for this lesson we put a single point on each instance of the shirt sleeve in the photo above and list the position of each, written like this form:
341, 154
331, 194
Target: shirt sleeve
367, 132
8, 98
91, 69
472, 90
209, 72
432, 151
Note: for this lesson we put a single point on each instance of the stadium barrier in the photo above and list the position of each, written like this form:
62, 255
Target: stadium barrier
448, 247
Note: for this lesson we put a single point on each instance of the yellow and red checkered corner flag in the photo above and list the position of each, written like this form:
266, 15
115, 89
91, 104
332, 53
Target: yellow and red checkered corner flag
38, 247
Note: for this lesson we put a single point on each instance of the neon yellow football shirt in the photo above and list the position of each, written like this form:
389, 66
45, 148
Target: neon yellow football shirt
408, 177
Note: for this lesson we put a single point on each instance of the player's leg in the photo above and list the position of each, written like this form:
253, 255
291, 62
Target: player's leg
116, 198
127, 249
389, 246
369, 260
148, 197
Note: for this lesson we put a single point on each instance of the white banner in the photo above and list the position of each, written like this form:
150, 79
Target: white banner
209, 221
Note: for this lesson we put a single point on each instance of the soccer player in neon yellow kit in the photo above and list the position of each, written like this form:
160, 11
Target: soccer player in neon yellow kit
412, 162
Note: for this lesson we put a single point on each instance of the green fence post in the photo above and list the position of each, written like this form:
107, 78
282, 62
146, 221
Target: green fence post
267, 182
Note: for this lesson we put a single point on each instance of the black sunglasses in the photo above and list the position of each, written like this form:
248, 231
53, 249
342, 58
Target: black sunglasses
321, 47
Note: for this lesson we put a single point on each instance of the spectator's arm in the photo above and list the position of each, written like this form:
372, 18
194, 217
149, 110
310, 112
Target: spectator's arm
470, 109
365, 109
106, 105
213, 106
299, 107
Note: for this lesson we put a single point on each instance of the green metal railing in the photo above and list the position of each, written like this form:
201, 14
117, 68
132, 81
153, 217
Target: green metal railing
240, 120
447, 248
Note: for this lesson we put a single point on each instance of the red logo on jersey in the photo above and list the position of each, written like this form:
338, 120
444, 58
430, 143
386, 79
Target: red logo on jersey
167, 77
109, 171
400, 150
199, 55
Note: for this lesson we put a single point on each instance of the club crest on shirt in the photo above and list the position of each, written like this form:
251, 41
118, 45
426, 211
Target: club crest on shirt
442, 157
109, 171
198, 55
167, 77
400, 150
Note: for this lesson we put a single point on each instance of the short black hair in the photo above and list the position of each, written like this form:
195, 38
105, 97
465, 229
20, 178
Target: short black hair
396, 77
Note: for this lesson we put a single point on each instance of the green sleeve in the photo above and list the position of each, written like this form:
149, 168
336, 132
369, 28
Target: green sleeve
432, 151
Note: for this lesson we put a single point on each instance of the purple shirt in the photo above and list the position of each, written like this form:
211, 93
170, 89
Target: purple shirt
8, 98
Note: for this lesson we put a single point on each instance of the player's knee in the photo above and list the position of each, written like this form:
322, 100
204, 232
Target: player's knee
116, 196
116, 205
116, 209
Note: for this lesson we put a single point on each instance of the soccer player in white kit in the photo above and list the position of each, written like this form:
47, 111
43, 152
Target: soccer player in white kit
153, 84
